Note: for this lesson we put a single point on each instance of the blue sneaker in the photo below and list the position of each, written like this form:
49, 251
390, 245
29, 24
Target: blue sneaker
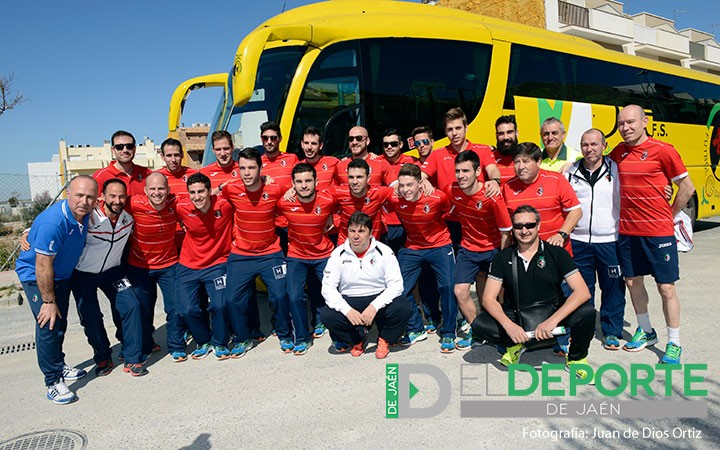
466, 342
286, 346
301, 348
611, 342
413, 337
672, 354
447, 345
178, 356
561, 349
320, 331
430, 327
201, 352
341, 347
640, 340
221, 352
240, 348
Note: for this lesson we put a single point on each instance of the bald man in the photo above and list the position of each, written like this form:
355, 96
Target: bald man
359, 145
647, 240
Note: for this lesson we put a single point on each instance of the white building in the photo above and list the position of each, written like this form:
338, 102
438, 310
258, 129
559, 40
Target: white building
86, 159
45, 177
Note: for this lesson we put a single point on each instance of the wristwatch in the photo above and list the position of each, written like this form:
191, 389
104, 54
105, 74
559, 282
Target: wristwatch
563, 234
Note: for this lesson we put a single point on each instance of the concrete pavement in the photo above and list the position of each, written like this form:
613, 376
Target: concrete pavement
322, 400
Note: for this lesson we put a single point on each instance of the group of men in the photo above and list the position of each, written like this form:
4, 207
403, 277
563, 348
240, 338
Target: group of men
322, 234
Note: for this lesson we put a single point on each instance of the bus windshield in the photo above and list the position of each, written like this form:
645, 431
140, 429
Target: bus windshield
274, 75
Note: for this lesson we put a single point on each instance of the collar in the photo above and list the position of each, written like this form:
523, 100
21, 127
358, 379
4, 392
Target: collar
371, 248
561, 154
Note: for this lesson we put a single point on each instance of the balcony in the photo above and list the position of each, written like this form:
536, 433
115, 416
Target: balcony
594, 24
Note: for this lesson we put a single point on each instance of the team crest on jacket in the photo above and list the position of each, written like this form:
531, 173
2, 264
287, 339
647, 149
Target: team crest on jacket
283, 163
171, 211
218, 213
372, 261
317, 210
234, 174
184, 178
265, 196
324, 167
541, 262
478, 205
139, 177
367, 200
426, 208
540, 191
644, 155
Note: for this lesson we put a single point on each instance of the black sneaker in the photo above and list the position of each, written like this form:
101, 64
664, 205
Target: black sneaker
104, 368
136, 370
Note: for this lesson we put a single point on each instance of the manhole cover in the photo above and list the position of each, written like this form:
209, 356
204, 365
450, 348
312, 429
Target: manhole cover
51, 440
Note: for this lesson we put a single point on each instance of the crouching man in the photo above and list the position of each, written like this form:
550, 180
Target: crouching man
532, 272
362, 283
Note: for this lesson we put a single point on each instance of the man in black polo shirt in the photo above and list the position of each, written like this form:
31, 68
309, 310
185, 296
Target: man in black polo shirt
540, 299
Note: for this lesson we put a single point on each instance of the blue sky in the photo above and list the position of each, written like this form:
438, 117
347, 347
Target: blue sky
88, 68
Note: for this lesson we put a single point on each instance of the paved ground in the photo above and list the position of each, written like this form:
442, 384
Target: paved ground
323, 400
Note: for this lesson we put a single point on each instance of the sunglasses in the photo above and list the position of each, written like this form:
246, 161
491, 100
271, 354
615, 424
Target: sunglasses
270, 138
419, 142
391, 144
528, 225
356, 138
119, 147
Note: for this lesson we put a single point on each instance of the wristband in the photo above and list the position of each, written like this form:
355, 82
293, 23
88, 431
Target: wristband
497, 180
49, 303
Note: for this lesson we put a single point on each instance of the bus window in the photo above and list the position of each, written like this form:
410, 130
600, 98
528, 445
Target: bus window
390, 83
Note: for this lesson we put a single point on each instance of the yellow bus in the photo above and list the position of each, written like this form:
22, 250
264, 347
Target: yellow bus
387, 64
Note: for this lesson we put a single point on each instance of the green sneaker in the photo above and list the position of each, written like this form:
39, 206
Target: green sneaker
640, 340
672, 354
581, 374
512, 355
447, 345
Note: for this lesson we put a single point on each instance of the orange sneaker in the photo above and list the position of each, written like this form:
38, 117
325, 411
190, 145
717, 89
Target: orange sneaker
383, 349
358, 349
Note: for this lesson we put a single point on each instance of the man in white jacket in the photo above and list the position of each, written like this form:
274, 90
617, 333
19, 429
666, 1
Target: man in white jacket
595, 180
362, 284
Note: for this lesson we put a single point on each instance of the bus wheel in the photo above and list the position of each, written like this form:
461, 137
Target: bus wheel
691, 209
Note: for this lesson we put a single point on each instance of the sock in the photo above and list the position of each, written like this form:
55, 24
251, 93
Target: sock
644, 322
674, 335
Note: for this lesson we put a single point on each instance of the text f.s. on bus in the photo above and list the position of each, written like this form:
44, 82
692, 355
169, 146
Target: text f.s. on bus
387, 64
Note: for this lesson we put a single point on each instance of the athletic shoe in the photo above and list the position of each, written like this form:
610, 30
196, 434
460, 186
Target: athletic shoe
431, 328
136, 370
672, 354
286, 346
301, 348
413, 337
640, 340
178, 356
320, 331
258, 336
240, 348
341, 347
60, 394
466, 342
611, 342
464, 327
202, 351
447, 345
383, 348
561, 349
581, 374
72, 373
358, 349
221, 352
512, 355
104, 368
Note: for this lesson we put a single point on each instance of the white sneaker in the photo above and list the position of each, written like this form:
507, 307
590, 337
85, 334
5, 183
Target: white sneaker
73, 373
60, 394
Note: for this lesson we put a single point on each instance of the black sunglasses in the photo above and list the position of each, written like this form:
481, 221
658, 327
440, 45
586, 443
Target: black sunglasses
528, 225
272, 137
356, 138
119, 147
391, 144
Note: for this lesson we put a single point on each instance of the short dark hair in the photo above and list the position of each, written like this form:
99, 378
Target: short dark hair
410, 170
392, 132
454, 114
528, 149
359, 164
113, 181
250, 153
468, 155
221, 134
361, 219
170, 142
270, 126
314, 132
526, 209
302, 168
121, 133
422, 129
198, 178
510, 119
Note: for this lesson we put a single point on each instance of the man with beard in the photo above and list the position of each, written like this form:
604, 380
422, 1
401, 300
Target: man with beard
359, 143
507, 139
423, 140
123, 148
395, 158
